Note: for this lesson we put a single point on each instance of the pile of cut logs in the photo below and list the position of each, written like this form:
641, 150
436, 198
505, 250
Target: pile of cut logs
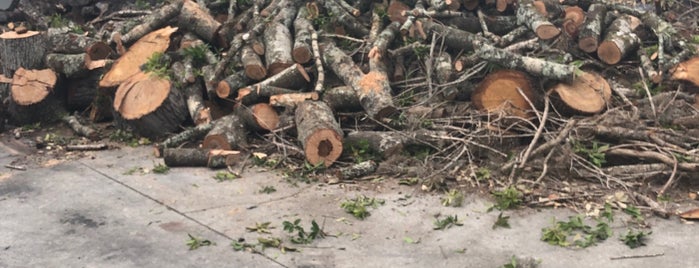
449, 75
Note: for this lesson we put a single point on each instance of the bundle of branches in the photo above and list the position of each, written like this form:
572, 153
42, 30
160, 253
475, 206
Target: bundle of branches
434, 89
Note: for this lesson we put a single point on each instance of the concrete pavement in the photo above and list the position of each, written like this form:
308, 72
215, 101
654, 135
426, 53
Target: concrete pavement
93, 212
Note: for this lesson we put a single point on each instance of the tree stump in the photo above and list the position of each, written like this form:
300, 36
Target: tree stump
318, 132
152, 106
22, 50
499, 92
589, 93
32, 97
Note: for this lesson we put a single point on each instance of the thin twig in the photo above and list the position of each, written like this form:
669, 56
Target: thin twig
637, 256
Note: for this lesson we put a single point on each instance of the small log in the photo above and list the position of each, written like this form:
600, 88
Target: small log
70, 65
291, 100
249, 96
527, 14
342, 98
194, 98
620, 40
22, 50
87, 147
153, 21
286, 12
318, 132
293, 77
302, 37
350, 23
258, 117
357, 170
574, 18
138, 54
278, 43
591, 30
373, 89
500, 92
150, 105
64, 41
229, 86
33, 98
589, 93
79, 128
391, 143
227, 133
254, 69
197, 20
189, 157
533, 66
687, 71
454, 38
190, 134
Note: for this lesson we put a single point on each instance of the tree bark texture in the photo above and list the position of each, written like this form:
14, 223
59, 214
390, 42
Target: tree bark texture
26, 50
228, 133
318, 132
192, 157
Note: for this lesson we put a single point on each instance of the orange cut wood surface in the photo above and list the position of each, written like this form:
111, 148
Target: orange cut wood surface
137, 55
140, 95
32, 86
588, 93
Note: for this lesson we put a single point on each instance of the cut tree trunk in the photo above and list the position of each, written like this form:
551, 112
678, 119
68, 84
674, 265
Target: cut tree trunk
197, 20
138, 54
63, 40
527, 14
688, 71
500, 92
620, 40
254, 69
302, 37
228, 133
278, 44
152, 106
33, 98
591, 30
258, 117
373, 89
589, 93
22, 50
574, 18
318, 132
191, 157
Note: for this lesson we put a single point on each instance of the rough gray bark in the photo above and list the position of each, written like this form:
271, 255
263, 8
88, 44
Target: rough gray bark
318, 132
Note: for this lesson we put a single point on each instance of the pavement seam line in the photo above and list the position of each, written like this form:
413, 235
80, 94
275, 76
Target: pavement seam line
172, 209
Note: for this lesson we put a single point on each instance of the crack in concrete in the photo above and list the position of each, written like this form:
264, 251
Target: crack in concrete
183, 214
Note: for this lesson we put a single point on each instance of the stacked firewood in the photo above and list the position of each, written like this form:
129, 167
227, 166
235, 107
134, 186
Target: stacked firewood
468, 81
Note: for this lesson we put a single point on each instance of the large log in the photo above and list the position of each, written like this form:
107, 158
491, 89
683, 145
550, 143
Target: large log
70, 65
373, 89
192, 157
500, 92
33, 98
227, 133
137, 55
151, 105
318, 132
81, 92
22, 50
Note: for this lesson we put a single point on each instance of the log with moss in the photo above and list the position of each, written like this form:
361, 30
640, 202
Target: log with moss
591, 30
620, 40
527, 14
